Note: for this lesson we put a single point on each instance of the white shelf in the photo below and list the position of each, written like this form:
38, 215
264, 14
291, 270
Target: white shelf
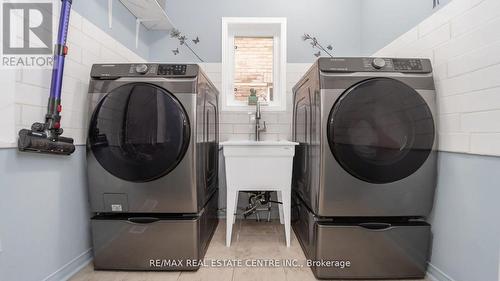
151, 14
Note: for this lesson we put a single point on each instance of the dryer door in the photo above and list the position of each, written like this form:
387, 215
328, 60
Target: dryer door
381, 130
139, 132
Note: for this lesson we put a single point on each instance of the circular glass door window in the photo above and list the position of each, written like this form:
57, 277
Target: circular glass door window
381, 130
139, 132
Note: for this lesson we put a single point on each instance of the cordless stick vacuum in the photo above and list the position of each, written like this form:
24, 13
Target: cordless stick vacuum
46, 137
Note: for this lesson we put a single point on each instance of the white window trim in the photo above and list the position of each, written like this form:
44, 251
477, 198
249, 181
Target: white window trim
240, 25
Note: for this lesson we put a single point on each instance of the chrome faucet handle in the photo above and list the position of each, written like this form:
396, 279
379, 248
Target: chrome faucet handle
263, 128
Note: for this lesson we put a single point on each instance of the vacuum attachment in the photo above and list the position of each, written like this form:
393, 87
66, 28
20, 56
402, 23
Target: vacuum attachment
37, 140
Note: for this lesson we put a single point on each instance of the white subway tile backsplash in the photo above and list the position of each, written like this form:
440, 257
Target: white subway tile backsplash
464, 39
455, 142
449, 123
72, 85
483, 57
481, 100
449, 104
37, 77
235, 118
76, 21
97, 34
285, 117
482, 122
472, 40
225, 137
440, 71
31, 95
270, 117
477, 80
480, 14
270, 137
243, 128
18, 112
107, 55
79, 71
86, 42
431, 39
19, 75
487, 144
31, 114
89, 57
75, 53
277, 129
73, 119
225, 128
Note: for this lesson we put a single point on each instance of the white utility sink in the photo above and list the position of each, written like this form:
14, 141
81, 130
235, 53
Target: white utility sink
258, 166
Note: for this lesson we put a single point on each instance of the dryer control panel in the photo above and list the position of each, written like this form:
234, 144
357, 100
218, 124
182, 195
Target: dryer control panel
403, 65
114, 71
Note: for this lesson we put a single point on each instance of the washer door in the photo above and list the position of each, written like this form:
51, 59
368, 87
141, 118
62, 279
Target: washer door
381, 130
139, 132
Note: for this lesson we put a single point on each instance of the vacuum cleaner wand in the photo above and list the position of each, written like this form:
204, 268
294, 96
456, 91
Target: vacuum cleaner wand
46, 137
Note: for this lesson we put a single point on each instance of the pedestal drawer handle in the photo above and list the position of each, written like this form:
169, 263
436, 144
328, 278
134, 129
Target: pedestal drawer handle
376, 226
143, 219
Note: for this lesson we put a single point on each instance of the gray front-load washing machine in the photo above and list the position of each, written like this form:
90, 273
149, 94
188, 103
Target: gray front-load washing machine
152, 165
365, 168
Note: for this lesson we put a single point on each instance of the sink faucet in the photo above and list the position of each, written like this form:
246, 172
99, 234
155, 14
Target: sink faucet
258, 127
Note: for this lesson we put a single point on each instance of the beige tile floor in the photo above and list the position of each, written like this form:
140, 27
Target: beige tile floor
251, 240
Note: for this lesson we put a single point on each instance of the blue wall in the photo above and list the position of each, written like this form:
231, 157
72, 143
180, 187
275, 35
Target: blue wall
466, 217
382, 21
332, 21
353, 27
44, 215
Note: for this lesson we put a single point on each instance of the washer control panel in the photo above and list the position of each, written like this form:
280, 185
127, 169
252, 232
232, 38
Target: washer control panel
172, 69
114, 71
407, 64
403, 65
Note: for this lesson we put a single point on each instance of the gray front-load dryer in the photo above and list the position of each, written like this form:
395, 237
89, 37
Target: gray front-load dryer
365, 170
152, 165
368, 137
152, 139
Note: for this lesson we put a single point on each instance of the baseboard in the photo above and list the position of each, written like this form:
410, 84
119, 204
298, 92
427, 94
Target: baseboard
71, 268
436, 274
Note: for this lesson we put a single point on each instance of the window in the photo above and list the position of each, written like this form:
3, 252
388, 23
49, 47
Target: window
253, 68
253, 57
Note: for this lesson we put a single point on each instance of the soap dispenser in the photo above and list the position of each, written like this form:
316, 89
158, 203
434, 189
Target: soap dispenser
252, 98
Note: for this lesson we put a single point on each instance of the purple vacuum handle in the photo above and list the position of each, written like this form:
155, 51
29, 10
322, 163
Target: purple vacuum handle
60, 50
